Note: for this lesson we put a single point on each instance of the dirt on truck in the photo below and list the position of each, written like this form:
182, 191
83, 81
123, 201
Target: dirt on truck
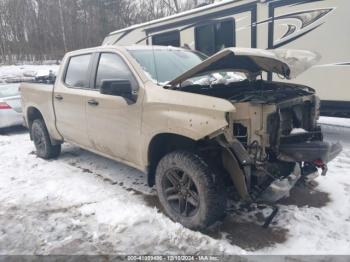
201, 128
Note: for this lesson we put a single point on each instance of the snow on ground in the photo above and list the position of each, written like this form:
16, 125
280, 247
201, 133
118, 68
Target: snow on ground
85, 204
82, 204
334, 121
18, 72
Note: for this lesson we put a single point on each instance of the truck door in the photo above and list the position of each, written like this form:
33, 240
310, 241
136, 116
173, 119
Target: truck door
69, 100
113, 122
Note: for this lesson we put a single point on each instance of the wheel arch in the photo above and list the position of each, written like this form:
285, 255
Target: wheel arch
33, 113
232, 158
162, 144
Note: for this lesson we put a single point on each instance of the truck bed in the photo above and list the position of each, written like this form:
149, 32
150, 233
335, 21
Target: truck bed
35, 96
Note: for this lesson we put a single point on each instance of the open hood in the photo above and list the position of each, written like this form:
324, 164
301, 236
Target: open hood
284, 62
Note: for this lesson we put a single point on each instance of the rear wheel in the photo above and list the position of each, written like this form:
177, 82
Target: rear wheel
42, 142
189, 191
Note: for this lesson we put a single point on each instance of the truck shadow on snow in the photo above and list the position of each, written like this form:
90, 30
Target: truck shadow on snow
302, 196
247, 234
14, 130
251, 235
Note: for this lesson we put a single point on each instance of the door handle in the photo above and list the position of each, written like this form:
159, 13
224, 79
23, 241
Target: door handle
59, 97
93, 102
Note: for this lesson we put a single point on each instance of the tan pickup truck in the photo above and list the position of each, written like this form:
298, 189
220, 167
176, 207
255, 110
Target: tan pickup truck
200, 128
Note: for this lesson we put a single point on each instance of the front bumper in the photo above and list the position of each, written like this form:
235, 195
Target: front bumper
280, 188
313, 152
310, 151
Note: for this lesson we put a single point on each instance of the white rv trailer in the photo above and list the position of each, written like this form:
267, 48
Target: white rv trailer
318, 25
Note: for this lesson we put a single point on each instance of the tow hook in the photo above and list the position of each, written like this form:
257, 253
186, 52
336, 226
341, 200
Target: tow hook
320, 164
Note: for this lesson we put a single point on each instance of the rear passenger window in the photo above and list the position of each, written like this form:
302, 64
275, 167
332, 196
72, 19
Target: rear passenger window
78, 71
112, 67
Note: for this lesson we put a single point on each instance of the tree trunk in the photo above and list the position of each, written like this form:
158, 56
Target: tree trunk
62, 26
176, 6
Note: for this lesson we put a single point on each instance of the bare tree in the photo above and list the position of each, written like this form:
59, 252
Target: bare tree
45, 29
62, 26
177, 6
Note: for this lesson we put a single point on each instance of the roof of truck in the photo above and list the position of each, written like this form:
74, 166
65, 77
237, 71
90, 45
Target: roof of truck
125, 47
152, 47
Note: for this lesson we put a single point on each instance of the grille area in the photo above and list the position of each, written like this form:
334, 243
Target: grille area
280, 124
241, 133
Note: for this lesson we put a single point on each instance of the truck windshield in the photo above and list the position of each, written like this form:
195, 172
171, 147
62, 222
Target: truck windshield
165, 64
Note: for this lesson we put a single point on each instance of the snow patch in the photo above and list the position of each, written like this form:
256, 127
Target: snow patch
298, 131
80, 203
25, 72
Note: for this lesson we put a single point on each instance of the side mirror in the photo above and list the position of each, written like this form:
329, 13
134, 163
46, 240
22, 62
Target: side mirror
118, 87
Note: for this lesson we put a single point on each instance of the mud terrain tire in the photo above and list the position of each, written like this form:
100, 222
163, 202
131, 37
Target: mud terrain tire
205, 197
42, 142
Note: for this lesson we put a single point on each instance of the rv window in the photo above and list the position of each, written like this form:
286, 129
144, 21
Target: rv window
224, 35
167, 39
205, 39
211, 38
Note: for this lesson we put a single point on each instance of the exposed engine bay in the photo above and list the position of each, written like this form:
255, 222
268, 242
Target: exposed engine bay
259, 92
275, 128
284, 112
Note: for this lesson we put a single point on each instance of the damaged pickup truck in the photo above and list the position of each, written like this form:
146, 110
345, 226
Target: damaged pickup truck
200, 128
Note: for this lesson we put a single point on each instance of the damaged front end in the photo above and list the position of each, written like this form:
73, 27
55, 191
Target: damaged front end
254, 181
272, 140
274, 144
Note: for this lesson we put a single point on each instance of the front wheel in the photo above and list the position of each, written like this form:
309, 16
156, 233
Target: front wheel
42, 142
189, 191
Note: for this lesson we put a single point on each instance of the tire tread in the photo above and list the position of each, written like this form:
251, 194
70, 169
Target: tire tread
52, 151
213, 185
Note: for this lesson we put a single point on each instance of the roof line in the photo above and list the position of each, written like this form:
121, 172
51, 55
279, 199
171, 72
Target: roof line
189, 12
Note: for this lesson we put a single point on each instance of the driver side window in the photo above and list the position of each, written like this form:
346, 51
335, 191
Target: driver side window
111, 66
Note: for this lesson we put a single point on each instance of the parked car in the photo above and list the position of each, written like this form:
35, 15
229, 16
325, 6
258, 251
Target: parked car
197, 130
10, 106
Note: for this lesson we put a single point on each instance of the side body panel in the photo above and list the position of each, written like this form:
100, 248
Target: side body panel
39, 96
119, 126
114, 125
69, 106
176, 112
70, 114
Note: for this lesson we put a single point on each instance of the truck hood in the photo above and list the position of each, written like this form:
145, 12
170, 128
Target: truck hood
285, 62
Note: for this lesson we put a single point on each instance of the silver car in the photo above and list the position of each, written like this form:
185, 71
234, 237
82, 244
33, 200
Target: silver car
10, 106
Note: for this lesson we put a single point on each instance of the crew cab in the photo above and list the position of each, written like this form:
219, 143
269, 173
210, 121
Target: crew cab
200, 128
